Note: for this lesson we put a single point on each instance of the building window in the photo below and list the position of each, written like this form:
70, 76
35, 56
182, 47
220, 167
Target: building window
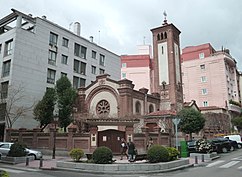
76, 66
80, 51
101, 60
82, 82
65, 42
201, 55
204, 92
83, 68
94, 54
124, 65
151, 108
202, 67
64, 59
4, 90
8, 47
203, 79
53, 39
103, 108
63, 74
51, 76
76, 82
52, 57
0, 48
124, 75
94, 70
162, 50
6, 68
137, 108
101, 71
205, 103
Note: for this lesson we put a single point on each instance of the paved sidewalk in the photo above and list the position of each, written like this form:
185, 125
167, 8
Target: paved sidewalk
48, 162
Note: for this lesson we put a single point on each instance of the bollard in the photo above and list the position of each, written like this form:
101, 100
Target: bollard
196, 160
41, 162
202, 157
27, 161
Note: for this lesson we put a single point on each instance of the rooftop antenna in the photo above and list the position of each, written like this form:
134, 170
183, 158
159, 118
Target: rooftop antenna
165, 20
70, 25
99, 37
144, 40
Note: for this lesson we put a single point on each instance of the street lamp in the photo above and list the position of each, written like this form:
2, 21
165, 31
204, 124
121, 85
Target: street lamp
176, 121
56, 118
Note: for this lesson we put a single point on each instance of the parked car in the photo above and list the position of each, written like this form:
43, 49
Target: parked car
236, 138
220, 145
234, 145
5, 148
191, 146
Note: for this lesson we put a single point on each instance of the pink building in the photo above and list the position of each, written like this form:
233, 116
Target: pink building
210, 77
137, 68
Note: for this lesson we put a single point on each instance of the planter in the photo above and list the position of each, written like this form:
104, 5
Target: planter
16, 160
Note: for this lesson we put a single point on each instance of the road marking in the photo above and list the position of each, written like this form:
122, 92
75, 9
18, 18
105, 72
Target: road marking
240, 167
230, 164
215, 163
12, 170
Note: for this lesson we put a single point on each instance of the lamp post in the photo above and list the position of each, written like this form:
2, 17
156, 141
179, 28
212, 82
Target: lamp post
176, 121
56, 117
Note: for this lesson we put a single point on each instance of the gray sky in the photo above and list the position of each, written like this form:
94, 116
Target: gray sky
121, 25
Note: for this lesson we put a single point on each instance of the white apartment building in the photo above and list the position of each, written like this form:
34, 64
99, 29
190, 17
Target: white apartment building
35, 53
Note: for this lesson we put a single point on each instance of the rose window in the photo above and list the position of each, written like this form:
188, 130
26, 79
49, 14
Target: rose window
103, 108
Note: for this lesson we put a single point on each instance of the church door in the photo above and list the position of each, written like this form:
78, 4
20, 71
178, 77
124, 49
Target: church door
111, 139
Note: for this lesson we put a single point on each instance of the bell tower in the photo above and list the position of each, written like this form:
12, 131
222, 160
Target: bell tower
167, 66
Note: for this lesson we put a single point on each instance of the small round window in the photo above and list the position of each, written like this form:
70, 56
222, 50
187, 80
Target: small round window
103, 107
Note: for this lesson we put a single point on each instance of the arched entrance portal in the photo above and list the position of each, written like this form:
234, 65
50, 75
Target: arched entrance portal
111, 139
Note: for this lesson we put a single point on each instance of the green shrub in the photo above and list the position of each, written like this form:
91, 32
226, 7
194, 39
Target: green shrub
157, 153
102, 155
76, 154
17, 150
173, 153
3, 173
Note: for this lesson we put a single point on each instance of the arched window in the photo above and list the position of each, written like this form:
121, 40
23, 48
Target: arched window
137, 107
158, 37
165, 35
162, 36
151, 108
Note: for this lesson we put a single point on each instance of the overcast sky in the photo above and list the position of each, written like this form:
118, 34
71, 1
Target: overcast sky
121, 25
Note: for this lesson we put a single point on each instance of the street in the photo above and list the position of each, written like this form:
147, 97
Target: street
228, 165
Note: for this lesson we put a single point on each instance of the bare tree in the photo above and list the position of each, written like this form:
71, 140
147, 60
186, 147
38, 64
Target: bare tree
12, 101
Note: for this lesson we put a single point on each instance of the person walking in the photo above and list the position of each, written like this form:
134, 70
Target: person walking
131, 151
124, 148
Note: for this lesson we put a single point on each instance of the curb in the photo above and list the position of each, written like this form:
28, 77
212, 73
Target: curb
123, 172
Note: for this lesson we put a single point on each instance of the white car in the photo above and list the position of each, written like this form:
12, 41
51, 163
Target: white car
5, 148
236, 138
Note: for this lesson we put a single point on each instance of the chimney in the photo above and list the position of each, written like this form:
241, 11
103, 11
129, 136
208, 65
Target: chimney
77, 28
91, 38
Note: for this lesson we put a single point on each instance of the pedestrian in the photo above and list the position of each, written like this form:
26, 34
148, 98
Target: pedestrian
150, 143
124, 148
131, 151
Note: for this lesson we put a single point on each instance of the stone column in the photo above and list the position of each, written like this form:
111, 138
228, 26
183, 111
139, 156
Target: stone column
93, 138
35, 135
158, 129
20, 136
71, 131
51, 140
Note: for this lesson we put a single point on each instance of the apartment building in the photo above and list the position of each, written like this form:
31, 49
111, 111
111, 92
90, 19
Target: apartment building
210, 78
35, 53
138, 68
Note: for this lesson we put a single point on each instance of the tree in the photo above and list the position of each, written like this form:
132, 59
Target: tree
66, 96
192, 121
237, 121
11, 102
43, 111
